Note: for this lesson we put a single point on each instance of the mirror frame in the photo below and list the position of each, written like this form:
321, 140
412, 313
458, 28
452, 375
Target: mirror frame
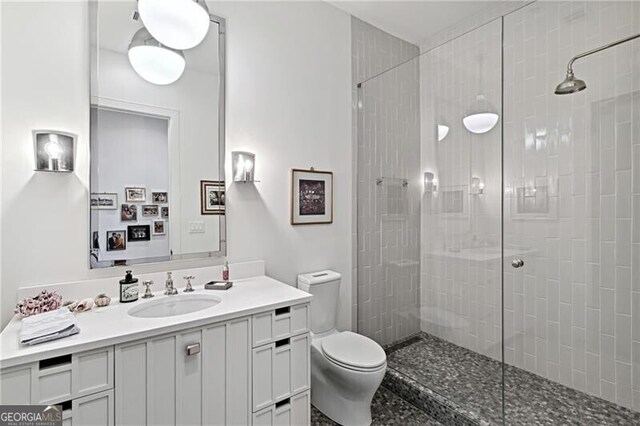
222, 224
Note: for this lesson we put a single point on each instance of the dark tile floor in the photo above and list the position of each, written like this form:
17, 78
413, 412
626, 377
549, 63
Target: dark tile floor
474, 381
386, 409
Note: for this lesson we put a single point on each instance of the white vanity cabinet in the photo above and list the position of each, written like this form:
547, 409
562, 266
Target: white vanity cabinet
251, 369
82, 383
199, 376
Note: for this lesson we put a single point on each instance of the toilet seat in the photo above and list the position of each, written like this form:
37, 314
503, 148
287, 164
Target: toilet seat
353, 351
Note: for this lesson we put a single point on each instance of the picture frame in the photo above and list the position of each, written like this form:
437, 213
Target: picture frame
164, 212
138, 233
212, 197
116, 240
150, 210
129, 213
160, 197
311, 197
104, 201
135, 194
159, 227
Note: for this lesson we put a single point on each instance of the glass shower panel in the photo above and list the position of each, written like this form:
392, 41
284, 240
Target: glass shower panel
460, 343
429, 220
572, 214
389, 191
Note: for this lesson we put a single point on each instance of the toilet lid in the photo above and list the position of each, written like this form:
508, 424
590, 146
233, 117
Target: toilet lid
353, 349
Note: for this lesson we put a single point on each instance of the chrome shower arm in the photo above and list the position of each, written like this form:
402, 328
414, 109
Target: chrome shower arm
596, 50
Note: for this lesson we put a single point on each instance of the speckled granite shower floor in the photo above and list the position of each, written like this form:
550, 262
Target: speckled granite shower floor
473, 381
386, 409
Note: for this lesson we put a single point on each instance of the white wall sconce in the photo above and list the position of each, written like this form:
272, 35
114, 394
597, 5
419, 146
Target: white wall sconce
430, 183
477, 186
243, 166
54, 151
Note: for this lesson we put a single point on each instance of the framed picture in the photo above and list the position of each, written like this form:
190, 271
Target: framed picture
158, 227
150, 211
104, 201
454, 201
129, 212
134, 194
116, 240
139, 233
212, 197
311, 197
160, 197
164, 212
95, 244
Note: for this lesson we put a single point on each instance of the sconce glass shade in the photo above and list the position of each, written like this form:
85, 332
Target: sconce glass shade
443, 131
179, 24
54, 151
156, 63
481, 117
243, 166
477, 186
430, 182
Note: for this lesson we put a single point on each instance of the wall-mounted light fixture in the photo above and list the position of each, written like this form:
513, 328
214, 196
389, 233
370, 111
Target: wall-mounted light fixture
243, 166
430, 183
477, 186
54, 151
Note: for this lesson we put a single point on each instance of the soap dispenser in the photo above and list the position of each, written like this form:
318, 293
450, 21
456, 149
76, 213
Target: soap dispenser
128, 288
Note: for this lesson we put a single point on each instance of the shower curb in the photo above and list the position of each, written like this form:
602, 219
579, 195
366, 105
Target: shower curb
432, 403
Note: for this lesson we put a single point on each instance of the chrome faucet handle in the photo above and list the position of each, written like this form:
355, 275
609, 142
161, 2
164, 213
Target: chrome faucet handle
188, 288
147, 292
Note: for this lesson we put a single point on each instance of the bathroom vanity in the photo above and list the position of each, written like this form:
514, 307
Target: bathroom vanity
242, 359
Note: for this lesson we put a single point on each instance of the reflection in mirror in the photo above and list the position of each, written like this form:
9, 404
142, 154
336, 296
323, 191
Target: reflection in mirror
157, 132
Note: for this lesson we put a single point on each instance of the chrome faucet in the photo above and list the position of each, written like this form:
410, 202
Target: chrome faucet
169, 289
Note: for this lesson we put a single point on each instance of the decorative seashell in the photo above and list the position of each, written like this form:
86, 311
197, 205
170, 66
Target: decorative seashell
70, 304
102, 300
84, 305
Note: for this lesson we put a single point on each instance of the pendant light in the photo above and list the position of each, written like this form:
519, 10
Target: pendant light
179, 24
156, 63
482, 116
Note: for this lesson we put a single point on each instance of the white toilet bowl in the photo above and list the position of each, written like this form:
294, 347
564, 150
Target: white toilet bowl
346, 370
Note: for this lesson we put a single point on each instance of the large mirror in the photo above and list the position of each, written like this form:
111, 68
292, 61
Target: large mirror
157, 135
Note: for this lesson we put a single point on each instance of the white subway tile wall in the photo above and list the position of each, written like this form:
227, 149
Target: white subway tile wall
388, 220
461, 241
580, 324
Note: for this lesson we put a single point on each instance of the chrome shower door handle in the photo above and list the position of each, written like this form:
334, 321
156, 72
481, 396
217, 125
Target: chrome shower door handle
517, 263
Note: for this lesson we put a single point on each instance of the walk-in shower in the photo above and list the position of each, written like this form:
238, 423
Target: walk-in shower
501, 269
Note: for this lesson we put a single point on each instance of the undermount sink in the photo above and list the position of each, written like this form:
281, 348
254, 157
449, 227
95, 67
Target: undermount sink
170, 306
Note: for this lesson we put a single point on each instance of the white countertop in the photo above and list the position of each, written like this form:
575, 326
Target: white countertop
112, 325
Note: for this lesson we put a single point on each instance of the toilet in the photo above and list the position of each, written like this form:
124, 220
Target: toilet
346, 368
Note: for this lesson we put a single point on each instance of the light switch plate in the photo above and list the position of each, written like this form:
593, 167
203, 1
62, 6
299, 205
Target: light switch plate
196, 227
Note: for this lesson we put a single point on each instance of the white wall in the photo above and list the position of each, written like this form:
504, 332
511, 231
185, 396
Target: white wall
288, 100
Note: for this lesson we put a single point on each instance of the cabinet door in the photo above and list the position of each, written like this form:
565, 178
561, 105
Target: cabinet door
226, 367
96, 409
15, 386
189, 378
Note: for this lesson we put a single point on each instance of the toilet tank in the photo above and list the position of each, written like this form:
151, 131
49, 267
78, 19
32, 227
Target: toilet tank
325, 288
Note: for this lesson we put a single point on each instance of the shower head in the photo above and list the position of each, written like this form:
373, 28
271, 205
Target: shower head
573, 85
570, 85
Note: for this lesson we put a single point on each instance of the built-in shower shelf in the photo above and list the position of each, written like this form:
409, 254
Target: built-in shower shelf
392, 180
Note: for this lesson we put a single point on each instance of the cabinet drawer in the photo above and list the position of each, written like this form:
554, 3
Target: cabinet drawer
280, 369
292, 411
95, 410
280, 323
16, 385
72, 376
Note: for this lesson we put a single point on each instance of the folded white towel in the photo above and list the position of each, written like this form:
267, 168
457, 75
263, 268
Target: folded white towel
48, 326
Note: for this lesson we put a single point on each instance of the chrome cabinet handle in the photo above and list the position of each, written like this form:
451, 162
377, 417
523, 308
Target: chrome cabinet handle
517, 263
193, 349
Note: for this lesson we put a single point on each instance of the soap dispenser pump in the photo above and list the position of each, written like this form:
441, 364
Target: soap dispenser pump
128, 288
